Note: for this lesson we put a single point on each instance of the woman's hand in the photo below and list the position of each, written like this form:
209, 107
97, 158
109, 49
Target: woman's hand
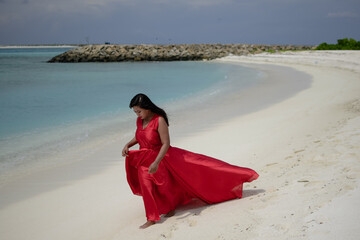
125, 151
153, 167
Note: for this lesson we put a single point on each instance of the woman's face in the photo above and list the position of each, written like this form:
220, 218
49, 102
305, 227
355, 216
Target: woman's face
141, 112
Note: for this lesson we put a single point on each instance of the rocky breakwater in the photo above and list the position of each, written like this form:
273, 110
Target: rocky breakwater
183, 52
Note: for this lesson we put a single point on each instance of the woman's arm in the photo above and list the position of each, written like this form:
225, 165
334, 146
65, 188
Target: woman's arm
125, 150
165, 140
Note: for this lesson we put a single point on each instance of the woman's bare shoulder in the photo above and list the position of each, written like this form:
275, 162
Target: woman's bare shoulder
162, 120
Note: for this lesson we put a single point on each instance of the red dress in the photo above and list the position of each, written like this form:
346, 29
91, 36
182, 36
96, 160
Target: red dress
181, 176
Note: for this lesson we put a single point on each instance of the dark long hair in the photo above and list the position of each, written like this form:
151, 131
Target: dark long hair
143, 101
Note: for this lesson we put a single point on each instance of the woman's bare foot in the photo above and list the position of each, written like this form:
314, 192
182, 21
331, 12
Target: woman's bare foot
170, 214
147, 224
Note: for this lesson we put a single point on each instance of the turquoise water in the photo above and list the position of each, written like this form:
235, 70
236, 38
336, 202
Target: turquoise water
38, 100
35, 94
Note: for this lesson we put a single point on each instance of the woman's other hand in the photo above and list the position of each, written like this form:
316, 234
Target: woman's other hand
125, 151
153, 167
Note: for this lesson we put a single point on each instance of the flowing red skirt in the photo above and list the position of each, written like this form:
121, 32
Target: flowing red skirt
181, 176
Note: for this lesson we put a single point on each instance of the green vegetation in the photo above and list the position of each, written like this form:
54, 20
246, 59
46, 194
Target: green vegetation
342, 44
270, 51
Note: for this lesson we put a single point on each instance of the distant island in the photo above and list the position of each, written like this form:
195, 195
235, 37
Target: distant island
180, 52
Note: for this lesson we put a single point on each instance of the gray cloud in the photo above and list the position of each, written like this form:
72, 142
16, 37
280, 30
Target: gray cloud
346, 14
178, 21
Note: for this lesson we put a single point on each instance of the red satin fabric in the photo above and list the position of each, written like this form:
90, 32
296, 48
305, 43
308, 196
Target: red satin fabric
181, 176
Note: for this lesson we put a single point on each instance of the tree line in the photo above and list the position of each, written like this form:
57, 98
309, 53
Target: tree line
342, 44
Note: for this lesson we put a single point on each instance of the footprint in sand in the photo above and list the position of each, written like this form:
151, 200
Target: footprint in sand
192, 222
220, 237
298, 151
169, 234
164, 236
312, 183
303, 181
270, 164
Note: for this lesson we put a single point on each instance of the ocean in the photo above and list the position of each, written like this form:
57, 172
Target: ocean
46, 108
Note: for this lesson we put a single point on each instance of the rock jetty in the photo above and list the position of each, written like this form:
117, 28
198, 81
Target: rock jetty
182, 52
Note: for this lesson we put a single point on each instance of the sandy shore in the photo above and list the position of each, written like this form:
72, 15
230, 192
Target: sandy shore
305, 148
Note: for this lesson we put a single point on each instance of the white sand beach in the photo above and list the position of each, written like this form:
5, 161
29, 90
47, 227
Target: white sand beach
305, 147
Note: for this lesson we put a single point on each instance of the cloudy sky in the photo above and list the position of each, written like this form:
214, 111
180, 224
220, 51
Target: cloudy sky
178, 21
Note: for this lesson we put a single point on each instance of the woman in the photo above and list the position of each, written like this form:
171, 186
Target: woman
166, 176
